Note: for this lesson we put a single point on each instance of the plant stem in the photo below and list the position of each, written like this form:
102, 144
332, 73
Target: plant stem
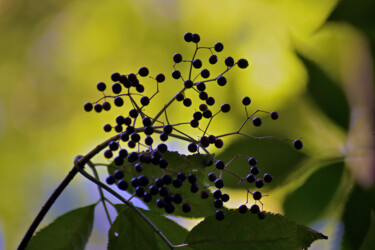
46, 207
129, 204
102, 197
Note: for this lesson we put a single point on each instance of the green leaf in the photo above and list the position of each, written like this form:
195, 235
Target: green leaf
246, 231
308, 202
195, 164
369, 240
325, 92
174, 232
356, 217
130, 231
278, 158
69, 231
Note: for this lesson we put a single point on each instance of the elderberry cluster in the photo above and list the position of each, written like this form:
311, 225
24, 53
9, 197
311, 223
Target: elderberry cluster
139, 152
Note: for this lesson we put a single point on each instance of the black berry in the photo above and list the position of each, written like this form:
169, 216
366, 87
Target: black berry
205, 73
192, 147
246, 101
242, 209
225, 108
88, 106
267, 177
274, 115
213, 59
188, 37
218, 47
160, 78
297, 144
229, 61
220, 215
221, 80
197, 63
143, 71
219, 164
101, 86
177, 58
176, 74
257, 121
196, 38
145, 100
257, 195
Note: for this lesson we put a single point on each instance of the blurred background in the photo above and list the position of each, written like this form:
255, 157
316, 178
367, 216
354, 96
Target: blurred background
312, 61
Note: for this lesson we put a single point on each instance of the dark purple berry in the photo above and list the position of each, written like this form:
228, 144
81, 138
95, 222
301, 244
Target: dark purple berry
134, 181
192, 178
212, 176
250, 178
101, 86
254, 209
218, 203
229, 61
119, 161
252, 161
143, 71
88, 106
188, 37
297, 144
160, 78
219, 183
225, 197
246, 101
194, 188
118, 174
176, 74
212, 139
213, 59
207, 113
139, 191
254, 170
218, 47
267, 177
122, 184
177, 58
98, 108
219, 143
145, 100
188, 84
242, 63
113, 146
203, 96
116, 88
115, 77
194, 123
197, 63
186, 207
138, 167
163, 163
210, 101
135, 137
163, 137
242, 209
110, 180
204, 194
259, 183
257, 195
180, 97
201, 86
225, 108
133, 113
160, 203
107, 128
203, 107
192, 147
143, 180
261, 215
220, 215
219, 164
257, 121
177, 198
181, 176
118, 101
274, 115
177, 183
196, 38
187, 102
106, 106
108, 154
124, 136
205, 73
217, 194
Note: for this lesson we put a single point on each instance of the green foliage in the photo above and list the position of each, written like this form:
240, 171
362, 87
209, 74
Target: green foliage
309, 201
246, 231
195, 164
175, 233
69, 231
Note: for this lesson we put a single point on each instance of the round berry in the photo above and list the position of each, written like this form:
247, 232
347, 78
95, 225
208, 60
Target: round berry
229, 61
108, 154
88, 106
213, 59
242, 209
143, 71
192, 147
219, 143
132, 157
225, 108
158, 182
139, 191
146, 121
138, 167
194, 123
197, 63
212, 177
135, 137
201, 86
204, 194
186, 207
261, 215
118, 174
274, 115
176, 74
257, 195
124, 136
254, 209
254, 170
107, 128
101, 86
297, 144
118, 101
205, 73
125, 81
110, 180
160, 203
221, 80
246, 101
210, 101
259, 183
119, 161
106, 106
207, 113
219, 183
250, 178
194, 188
220, 215
218, 203
180, 97
160, 78
133, 113
225, 197
145, 100
130, 129
163, 137
267, 178
132, 78
197, 115
188, 37
143, 180
257, 121
217, 194
98, 108
147, 197
116, 88
118, 128
162, 147
127, 121
113, 146
132, 144
218, 47
153, 190
212, 139
177, 58
115, 77
203, 107
122, 184
203, 96
181, 176
149, 140
167, 179
177, 198
192, 178
219, 164
204, 141
187, 102
242, 63
134, 181
252, 161
188, 84
196, 38
177, 183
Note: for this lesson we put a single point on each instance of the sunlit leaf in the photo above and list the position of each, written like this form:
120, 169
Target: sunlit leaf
69, 231
246, 231
309, 201
174, 232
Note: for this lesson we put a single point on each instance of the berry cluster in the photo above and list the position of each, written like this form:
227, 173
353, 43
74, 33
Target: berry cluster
141, 141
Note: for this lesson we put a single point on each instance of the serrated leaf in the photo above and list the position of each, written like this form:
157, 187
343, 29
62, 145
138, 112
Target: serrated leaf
174, 232
356, 218
274, 157
327, 94
195, 164
130, 231
246, 231
69, 231
308, 202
